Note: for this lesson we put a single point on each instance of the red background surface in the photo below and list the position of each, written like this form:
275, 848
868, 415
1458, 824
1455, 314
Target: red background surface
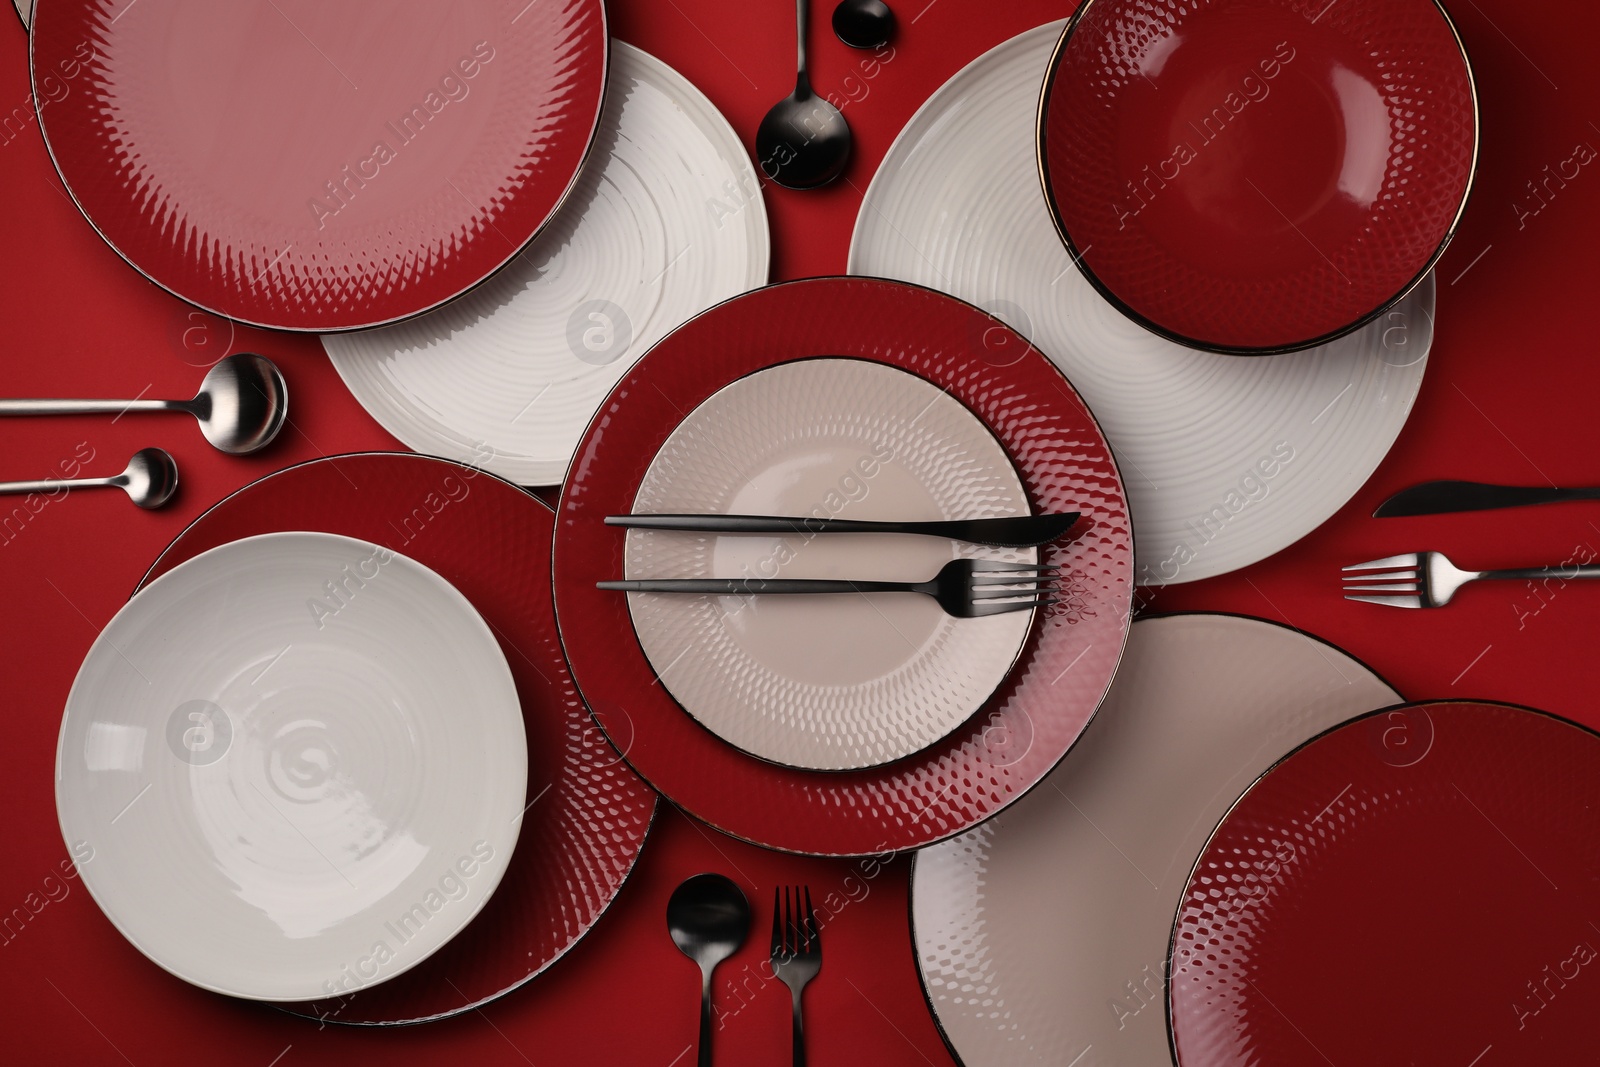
1509, 396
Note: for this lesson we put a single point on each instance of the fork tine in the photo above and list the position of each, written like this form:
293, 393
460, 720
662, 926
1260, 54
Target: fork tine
813, 945
1408, 559
791, 934
777, 928
1003, 583
1389, 601
980, 611
1383, 576
1395, 587
1001, 565
1005, 593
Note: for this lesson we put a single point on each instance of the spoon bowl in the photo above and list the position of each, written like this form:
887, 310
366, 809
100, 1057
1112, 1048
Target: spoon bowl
863, 23
242, 404
150, 478
708, 917
804, 141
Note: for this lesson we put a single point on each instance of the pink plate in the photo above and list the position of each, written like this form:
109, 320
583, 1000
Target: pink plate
1415, 886
1064, 668
587, 814
1257, 176
320, 166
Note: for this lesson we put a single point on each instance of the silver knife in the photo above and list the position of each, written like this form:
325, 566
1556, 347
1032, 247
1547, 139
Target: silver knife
1436, 498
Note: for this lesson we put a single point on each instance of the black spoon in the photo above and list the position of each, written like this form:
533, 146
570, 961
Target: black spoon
804, 141
863, 23
708, 917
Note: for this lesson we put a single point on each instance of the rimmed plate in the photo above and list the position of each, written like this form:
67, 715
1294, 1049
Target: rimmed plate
1453, 873
1059, 678
666, 220
1227, 460
825, 682
309, 166
1257, 176
298, 760
1042, 933
586, 813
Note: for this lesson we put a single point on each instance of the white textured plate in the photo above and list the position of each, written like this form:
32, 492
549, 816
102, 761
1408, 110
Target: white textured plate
1042, 934
292, 766
665, 220
1227, 459
825, 682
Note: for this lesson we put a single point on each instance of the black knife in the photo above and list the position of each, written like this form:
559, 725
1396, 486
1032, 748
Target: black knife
1435, 498
1021, 531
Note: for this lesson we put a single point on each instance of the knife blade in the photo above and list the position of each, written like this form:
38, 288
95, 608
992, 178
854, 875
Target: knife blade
1020, 531
1437, 498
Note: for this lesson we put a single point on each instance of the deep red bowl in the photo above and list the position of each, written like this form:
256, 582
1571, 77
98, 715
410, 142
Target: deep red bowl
1257, 176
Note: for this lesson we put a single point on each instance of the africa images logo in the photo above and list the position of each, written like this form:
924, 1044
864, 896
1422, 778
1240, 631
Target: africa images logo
408, 925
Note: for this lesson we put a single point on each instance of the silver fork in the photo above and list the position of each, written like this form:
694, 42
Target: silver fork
964, 588
796, 955
1429, 580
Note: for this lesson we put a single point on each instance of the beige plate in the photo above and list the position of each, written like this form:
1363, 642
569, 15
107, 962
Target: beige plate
825, 682
1042, 934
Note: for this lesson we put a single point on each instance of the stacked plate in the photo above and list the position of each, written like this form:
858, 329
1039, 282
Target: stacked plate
309, 710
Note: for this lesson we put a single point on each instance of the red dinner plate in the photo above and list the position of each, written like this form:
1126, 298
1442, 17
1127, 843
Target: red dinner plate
1062, 673
587, 814
1255, 176
319, 166
1419, 885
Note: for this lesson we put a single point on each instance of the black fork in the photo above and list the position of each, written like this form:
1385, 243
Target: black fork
796, 952
964, 588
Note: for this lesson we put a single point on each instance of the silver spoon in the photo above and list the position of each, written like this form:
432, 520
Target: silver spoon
241, 404
150, 479
804, 141
708, 917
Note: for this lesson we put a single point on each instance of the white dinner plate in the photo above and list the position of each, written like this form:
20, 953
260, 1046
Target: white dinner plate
829, 682
665, 220
1227, 459
292, 767
1042, 934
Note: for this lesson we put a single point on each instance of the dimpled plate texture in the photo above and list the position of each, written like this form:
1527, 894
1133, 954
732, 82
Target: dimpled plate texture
1257, 175
666, 220
1417, 886
1227, 460
579, 839
826, 682
311, 166
1041, 933
1019, 733
295, 758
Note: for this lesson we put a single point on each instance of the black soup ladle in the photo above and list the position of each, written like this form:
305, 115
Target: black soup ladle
804, 142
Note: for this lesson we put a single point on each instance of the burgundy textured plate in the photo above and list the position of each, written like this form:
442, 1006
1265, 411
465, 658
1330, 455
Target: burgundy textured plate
588, 814
1418, 885
1062, 673
1257, 176
316, 166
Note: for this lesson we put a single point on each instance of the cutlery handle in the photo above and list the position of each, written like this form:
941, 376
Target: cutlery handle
705, 1018
1434, 498
799, 1031
781, 524
754, 586
79, 407
52, 485
1565, 574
